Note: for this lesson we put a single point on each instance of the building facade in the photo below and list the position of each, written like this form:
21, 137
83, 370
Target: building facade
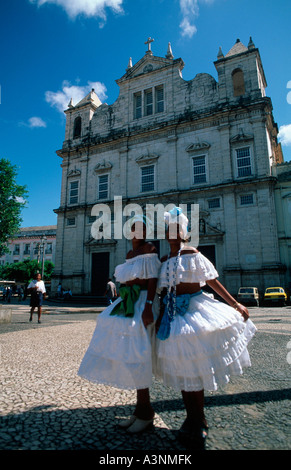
283, 211
31, 243
207, 141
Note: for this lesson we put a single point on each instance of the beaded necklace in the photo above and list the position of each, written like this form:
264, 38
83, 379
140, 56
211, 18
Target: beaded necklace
171, 306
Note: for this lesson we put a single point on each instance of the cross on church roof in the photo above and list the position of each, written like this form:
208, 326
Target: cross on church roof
148, 42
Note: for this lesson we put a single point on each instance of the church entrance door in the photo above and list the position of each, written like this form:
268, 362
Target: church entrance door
99, 273
209, 252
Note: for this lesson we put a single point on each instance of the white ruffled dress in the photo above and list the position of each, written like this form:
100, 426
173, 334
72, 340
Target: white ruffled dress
120, 351
208, 344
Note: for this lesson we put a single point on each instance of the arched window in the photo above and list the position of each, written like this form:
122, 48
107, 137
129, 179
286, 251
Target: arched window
238, 82
77, 127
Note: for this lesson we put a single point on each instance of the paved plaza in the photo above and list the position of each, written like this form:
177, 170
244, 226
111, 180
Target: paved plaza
46, 406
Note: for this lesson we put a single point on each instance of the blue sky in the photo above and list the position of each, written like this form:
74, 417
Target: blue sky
53, 49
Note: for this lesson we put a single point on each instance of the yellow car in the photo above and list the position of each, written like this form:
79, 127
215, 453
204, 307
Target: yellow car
275, 295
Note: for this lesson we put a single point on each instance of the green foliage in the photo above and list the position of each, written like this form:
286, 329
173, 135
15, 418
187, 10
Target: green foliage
11, 202
25, 270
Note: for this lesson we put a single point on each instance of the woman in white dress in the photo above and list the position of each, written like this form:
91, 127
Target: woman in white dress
120, 351
201, 342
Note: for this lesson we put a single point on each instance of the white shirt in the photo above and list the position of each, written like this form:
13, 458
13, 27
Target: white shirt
39, 284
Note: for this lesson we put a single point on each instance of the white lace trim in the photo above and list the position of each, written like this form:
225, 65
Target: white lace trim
140, 267
192, 268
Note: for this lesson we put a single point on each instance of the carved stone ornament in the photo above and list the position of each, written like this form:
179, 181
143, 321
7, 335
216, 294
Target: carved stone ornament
241, 137
198, 146
209, 230
147, 158
103, 166
92, 242
74, 172
148, 68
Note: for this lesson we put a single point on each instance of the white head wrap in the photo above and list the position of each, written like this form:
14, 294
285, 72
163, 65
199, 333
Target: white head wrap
176, 216
138, 218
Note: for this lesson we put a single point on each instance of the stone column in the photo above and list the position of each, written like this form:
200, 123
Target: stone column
5, 314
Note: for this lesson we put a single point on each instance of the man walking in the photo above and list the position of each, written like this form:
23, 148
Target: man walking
38, 291
110, 292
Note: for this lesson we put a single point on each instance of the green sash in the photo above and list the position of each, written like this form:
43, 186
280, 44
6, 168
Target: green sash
129, 295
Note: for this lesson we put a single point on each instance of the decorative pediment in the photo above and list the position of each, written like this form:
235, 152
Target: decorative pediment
203, 213
148, 158
198, 147
103, 166
149, 63
74, 172
92, 242
241, 137
208, 230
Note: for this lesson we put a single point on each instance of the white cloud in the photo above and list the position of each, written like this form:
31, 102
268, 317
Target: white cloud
60, 99
284, 135
89, 8
190, 11
187, 28
33, 122
18, 199
36, 122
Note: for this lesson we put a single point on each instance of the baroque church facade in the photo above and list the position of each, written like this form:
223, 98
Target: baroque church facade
207, 141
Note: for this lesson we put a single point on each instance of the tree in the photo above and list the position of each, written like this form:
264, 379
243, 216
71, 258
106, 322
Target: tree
25, 270
11, 203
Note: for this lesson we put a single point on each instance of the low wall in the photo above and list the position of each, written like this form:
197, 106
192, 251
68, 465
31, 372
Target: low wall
5, 314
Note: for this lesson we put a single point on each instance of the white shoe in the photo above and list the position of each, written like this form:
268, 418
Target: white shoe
125, 423
140, 425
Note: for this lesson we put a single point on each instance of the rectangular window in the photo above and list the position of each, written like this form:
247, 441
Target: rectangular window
49, 248
71, 221
246, 199
159, 99
91, 219
16, 250
103, 187
147, 178
243, 156
74, 192
137, 105
199, 170
148, 100
26, 249
214, 203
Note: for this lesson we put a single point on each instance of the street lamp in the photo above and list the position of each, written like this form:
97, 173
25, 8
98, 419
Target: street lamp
41, 246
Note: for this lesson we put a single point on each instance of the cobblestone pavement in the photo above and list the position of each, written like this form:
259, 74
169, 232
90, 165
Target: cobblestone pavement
46, 406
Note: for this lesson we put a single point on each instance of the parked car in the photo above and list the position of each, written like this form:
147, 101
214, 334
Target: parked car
248, 295
275, 296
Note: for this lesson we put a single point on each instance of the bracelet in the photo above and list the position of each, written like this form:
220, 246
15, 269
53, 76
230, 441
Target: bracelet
149, 302
235, 305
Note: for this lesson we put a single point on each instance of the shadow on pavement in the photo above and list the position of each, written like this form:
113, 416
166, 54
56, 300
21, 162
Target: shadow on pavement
47, 428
